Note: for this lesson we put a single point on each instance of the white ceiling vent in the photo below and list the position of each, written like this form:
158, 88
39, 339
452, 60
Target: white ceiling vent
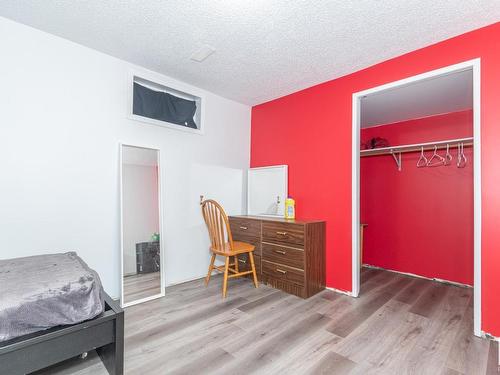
202, 53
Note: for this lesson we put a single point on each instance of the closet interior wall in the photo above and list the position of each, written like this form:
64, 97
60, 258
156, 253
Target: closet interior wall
420, 220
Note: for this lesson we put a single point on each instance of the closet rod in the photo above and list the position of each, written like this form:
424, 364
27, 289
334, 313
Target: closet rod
469, 141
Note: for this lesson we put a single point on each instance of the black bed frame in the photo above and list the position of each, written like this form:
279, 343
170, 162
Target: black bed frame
39, 350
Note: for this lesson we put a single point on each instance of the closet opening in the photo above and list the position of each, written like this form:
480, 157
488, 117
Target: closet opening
416, 203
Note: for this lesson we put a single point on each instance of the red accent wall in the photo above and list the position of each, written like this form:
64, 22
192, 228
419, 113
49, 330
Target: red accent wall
311, 132
420, 220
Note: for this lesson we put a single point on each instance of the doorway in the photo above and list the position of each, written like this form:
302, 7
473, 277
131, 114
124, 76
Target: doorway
472, 67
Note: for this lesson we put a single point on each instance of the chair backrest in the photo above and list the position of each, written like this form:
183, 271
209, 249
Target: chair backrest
217, 224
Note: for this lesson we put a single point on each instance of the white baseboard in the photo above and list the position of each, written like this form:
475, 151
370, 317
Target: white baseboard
186, 280
339, 291
488, 336
419, 276
202, 276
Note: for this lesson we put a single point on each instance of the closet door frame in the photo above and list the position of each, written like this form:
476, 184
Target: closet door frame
475, 66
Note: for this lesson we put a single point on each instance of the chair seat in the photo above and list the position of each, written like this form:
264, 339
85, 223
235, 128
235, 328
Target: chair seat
238, 248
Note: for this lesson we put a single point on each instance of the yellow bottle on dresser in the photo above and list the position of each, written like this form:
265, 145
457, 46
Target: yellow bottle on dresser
289, 208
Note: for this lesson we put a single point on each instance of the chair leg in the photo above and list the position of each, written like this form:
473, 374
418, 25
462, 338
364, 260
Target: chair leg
224, 284
210, 269
236, 267
253, 270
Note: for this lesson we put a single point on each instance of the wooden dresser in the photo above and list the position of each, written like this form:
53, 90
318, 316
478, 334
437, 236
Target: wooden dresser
289, 254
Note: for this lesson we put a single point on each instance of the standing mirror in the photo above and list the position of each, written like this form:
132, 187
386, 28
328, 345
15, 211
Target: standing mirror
141, 250
267, 190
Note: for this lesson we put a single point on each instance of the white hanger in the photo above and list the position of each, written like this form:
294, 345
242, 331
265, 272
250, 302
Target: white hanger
461, 159
440, 159
422, 161
448, 157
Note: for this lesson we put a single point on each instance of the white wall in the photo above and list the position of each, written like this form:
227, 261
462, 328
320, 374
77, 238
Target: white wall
140, 210
63, 113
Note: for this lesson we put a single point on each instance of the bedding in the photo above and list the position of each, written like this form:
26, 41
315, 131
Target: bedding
44, 291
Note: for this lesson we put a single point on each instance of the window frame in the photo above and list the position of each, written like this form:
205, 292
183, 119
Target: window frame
169, 84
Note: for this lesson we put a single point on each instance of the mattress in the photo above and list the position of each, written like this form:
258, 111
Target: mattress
44, 291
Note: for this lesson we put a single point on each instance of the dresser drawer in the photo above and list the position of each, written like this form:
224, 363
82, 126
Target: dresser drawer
245, 227
283, 255
286, 233
282, 272
244, 263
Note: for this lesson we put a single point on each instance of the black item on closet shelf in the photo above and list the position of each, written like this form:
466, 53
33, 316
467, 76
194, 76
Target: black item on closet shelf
377, 142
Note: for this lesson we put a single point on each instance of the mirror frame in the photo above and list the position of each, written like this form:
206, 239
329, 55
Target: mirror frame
160, 218
282, 167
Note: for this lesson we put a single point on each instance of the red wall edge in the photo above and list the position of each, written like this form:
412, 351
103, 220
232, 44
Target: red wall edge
420, 220
311, 132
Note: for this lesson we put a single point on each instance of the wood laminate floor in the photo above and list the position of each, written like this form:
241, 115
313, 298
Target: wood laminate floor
141, 285
399, 325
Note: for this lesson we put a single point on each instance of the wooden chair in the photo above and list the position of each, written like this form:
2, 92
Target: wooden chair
222, 244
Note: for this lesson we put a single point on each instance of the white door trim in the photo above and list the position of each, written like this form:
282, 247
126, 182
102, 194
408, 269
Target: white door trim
475, 65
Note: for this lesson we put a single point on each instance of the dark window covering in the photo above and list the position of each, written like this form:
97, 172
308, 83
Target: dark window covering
164, 107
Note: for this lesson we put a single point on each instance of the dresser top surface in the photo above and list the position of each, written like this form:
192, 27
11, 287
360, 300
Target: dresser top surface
277, 219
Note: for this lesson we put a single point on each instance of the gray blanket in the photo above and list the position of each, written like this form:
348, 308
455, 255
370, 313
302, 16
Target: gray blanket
44, 291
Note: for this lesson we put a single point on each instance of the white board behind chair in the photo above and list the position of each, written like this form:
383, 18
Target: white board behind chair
267, 190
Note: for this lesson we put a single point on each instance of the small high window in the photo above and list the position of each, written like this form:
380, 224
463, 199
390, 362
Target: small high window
158, 104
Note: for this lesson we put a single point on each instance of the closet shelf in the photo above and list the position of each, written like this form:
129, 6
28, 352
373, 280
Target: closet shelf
391, 150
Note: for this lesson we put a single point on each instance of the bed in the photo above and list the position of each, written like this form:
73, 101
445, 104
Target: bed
52, 308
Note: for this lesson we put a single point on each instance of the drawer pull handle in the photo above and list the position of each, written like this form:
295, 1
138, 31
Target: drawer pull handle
244, 228
242, 261
281, 233
280, 251
280, 271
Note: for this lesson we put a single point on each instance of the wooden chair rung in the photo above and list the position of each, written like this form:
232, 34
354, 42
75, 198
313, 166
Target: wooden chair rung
222, 268
240, 274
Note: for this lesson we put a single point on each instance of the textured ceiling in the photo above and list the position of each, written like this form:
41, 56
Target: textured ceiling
264, 49
443, 94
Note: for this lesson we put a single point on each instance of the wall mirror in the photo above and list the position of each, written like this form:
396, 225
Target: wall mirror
141, 250
267, 190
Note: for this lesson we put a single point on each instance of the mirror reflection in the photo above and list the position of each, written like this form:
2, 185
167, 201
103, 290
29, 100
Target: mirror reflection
267, 190
141, 253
